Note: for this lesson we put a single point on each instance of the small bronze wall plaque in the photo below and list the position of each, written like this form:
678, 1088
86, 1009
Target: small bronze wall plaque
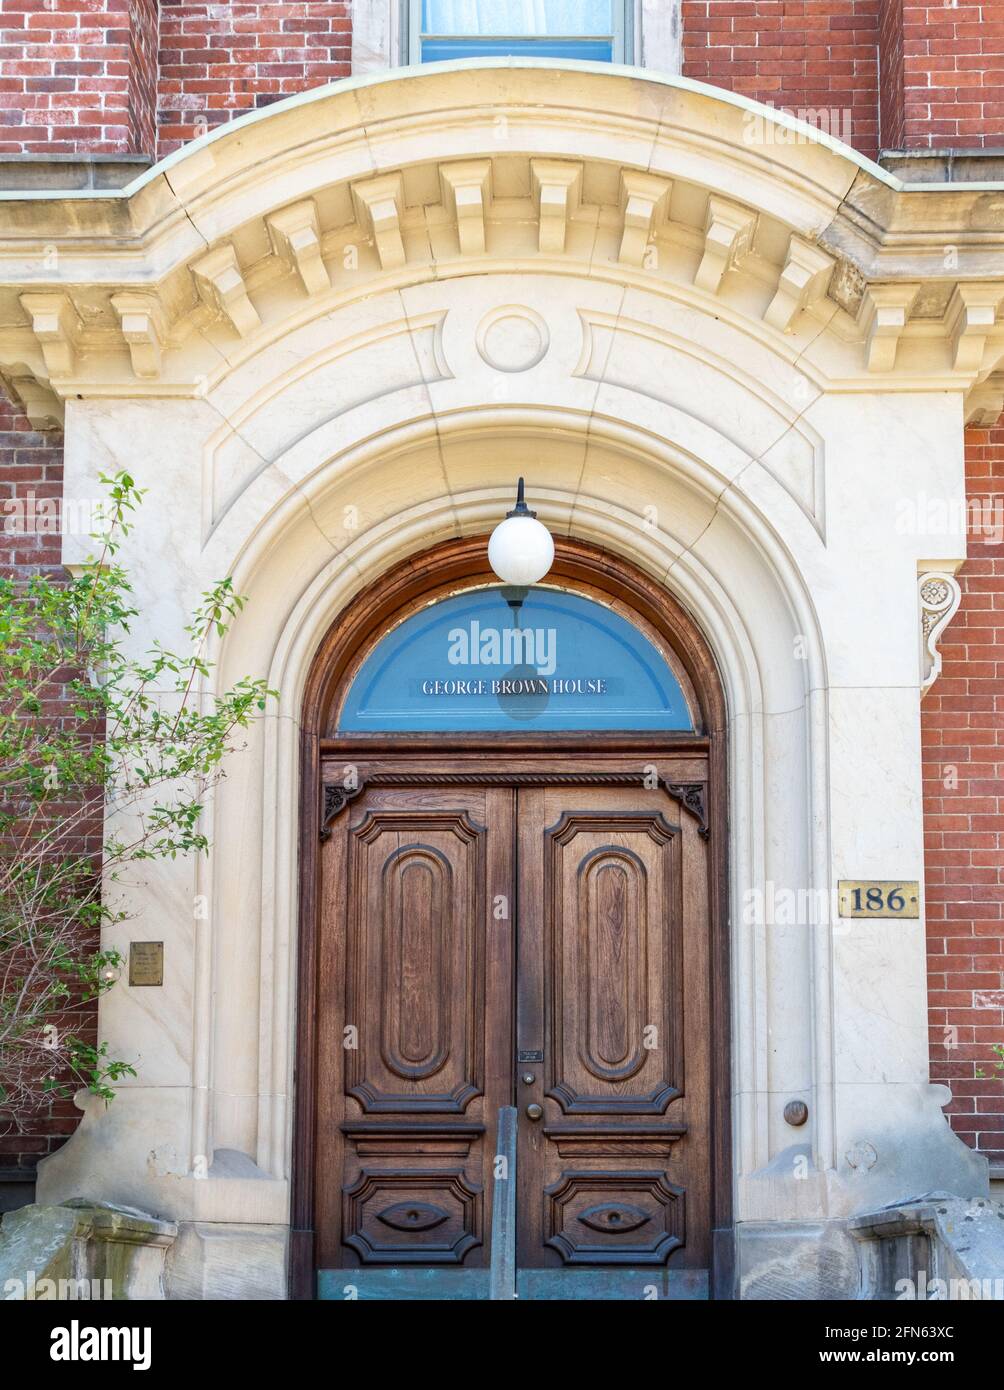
146, 963
529, 1055
878, 897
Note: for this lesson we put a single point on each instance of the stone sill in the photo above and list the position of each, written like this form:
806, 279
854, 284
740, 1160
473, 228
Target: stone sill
944, 166
69, 172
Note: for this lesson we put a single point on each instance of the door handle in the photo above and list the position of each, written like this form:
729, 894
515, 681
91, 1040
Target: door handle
534, 1111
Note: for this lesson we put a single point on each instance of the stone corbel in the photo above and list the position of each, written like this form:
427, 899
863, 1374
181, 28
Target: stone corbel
884, 312
220, 284
379, 205
142, 322
985, 401
57, 328
643, 198
940, 596
970, 318
41, 405
803, 283
466, 189
557, 186
728, 233
296, 239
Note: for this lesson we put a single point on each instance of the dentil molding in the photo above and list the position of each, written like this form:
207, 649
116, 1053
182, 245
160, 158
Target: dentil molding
684, 191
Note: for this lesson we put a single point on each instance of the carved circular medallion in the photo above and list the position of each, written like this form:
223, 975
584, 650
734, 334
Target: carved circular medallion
935, 592
512, 338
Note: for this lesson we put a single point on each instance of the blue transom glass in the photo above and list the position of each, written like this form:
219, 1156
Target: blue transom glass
484, 660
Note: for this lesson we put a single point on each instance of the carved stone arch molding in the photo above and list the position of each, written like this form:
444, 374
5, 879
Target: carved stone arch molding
435, 573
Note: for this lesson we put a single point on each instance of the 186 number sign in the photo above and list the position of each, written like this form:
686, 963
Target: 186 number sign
875, 897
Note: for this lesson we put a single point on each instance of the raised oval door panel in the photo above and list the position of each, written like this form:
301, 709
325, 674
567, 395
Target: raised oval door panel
415, 1031
612, 1031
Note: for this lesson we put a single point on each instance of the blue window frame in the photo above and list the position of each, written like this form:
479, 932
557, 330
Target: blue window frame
596, 30
501, 659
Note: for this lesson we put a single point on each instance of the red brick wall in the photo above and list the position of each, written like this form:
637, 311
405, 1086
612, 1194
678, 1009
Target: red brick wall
143, 41
80, 76
963, 742
804, 55
218, 61
891, 76
76, 76
953, 75
33, 463
30, 462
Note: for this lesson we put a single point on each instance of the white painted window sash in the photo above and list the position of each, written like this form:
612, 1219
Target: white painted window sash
624, 31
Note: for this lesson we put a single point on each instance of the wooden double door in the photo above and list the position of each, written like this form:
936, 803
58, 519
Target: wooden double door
527, 936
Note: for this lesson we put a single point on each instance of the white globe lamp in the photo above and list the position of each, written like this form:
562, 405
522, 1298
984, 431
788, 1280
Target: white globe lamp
520, 550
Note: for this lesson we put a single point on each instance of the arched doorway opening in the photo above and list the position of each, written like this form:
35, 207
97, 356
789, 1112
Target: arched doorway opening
527, 909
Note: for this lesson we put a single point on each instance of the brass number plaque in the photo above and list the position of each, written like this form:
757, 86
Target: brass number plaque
878, 897
146, 963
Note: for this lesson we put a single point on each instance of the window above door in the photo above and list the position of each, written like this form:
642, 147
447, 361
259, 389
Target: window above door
517, 660
592, 30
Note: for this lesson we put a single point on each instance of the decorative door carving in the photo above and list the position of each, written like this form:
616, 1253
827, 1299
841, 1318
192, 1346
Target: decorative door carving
585, 902
612, 991
414, 1029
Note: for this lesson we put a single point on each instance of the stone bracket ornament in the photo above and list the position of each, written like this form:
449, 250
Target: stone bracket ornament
970, 318
803, 283
643, 198
940, 596
467, 195
296, 239
379, 205
220, 284
142, 322
335, 796
884, 311
557, 185
728, 234
43, 408
985, 401
57, 329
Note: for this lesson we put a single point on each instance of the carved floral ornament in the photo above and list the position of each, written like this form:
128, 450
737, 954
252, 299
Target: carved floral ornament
160, 289
940, 596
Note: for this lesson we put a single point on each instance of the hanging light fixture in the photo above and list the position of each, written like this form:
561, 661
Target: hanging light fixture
520, 549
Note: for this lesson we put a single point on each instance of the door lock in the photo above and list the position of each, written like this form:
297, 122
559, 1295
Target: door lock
528, 1078
534, 1111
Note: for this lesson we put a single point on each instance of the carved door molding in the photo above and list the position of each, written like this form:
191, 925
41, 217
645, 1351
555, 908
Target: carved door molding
336, 796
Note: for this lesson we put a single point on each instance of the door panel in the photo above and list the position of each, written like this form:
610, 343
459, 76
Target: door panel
613, 998
415, 1032
590, 903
